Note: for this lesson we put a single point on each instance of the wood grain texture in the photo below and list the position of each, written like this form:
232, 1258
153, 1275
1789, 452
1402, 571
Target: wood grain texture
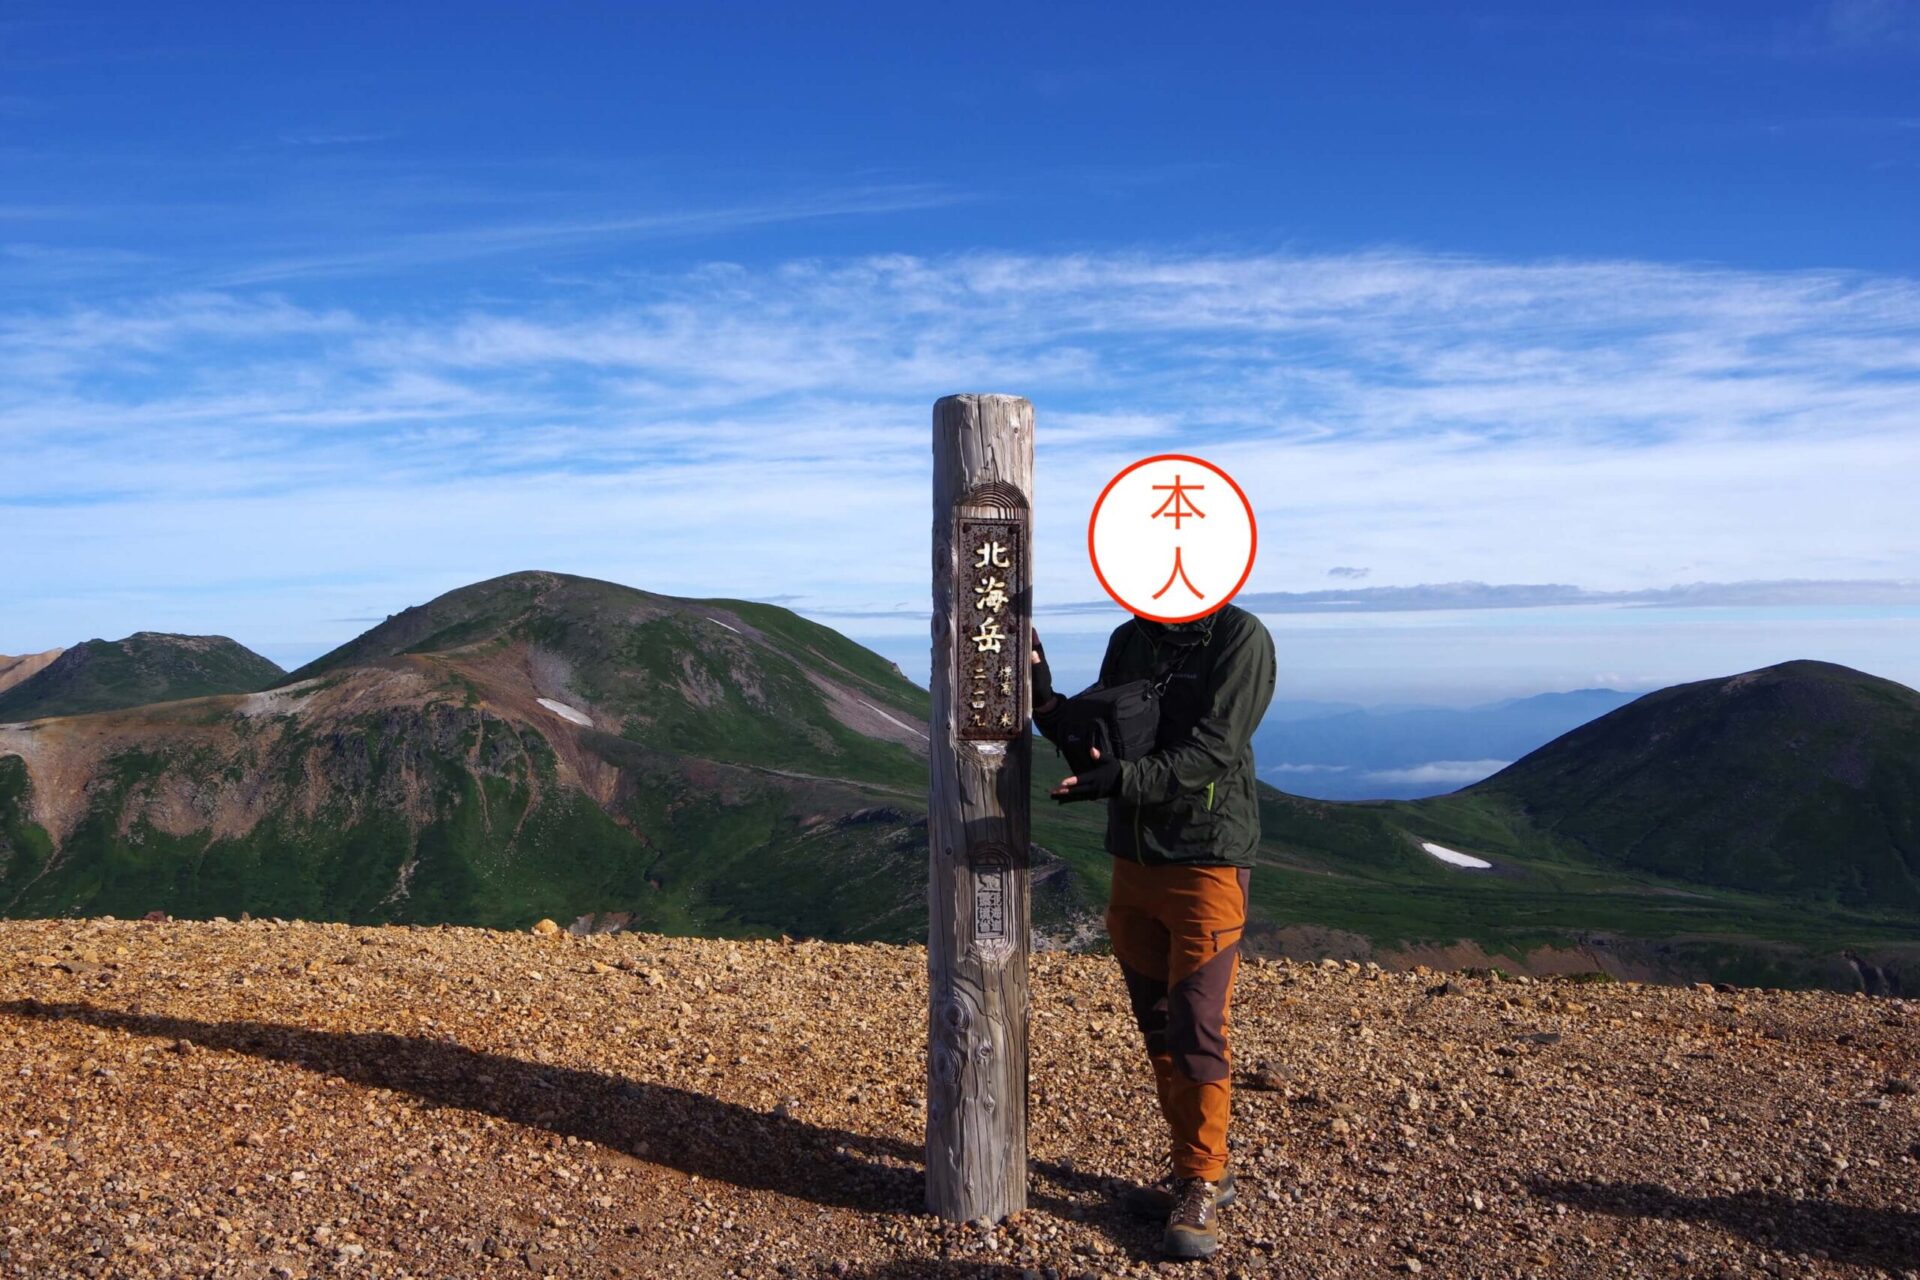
978, 872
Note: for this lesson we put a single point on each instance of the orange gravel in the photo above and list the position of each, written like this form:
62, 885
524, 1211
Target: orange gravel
272, 1099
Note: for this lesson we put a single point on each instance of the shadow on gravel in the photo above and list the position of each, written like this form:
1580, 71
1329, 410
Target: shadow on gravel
940, 1269
1887, 1238
663, 1125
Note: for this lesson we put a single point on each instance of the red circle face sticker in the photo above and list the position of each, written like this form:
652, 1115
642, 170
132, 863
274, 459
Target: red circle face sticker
1172, 538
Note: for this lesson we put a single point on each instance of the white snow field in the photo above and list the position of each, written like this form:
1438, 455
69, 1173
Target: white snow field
566, 712
1455, 858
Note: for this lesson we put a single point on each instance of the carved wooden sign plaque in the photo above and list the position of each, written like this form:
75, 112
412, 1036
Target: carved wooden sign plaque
990, 678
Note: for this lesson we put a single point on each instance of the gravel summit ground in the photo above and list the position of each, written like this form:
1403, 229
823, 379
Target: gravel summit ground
263, 1098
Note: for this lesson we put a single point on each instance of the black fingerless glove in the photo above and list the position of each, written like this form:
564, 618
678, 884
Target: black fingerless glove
1041, 675
1095, 782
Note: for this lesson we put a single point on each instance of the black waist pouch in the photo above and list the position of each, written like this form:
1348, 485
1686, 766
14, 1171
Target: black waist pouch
1124, 721
1121, 721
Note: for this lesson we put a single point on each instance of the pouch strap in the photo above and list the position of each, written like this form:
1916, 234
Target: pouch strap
1186, 651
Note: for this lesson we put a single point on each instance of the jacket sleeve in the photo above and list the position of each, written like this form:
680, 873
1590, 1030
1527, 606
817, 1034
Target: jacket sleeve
1049, 724
1235, 696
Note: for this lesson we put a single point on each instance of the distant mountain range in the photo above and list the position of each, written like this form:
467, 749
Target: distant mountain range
546, 745
535, 745
148, 666
1336, 752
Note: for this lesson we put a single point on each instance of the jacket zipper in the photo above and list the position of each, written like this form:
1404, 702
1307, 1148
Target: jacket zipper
1139, 846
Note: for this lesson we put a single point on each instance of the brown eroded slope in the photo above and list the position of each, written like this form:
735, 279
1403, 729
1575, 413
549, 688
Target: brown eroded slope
14, 669
217, 783
278, 1099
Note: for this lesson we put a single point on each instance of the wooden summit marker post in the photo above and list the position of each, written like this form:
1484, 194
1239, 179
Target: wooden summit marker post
982, 759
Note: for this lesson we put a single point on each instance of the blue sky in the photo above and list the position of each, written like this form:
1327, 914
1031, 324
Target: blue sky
310, 313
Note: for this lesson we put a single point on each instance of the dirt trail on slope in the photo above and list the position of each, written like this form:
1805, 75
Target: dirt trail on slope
265, 1099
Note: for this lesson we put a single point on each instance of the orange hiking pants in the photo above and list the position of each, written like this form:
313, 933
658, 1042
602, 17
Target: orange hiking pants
1176, 932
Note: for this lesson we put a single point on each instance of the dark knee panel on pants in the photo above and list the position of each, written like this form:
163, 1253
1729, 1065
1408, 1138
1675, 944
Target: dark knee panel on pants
1149, 1000
1197, 1017
1140, 944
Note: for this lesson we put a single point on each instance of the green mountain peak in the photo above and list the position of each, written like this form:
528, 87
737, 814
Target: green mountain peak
1798, 779
145, 667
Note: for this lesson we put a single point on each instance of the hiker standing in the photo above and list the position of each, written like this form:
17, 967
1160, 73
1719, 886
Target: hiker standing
1183, 821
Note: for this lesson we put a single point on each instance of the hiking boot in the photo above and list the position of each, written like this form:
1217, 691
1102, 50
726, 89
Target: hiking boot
1156, 1200
1192, 1228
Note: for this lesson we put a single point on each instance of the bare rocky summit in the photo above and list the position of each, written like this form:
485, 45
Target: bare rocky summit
262, 1099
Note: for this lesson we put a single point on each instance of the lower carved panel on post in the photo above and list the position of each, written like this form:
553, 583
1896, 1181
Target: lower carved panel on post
992, 889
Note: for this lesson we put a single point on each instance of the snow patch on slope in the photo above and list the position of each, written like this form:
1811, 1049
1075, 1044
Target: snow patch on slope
566, 712
1455, 858
884, 716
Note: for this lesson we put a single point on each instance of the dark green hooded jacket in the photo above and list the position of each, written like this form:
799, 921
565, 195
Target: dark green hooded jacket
1192, 799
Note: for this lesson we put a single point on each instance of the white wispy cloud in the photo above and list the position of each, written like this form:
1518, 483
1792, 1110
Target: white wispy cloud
759, 431
1440, 772
331, 138
1875, 26
469, 243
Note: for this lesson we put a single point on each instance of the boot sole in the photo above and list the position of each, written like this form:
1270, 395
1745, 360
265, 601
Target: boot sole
1188, 1246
